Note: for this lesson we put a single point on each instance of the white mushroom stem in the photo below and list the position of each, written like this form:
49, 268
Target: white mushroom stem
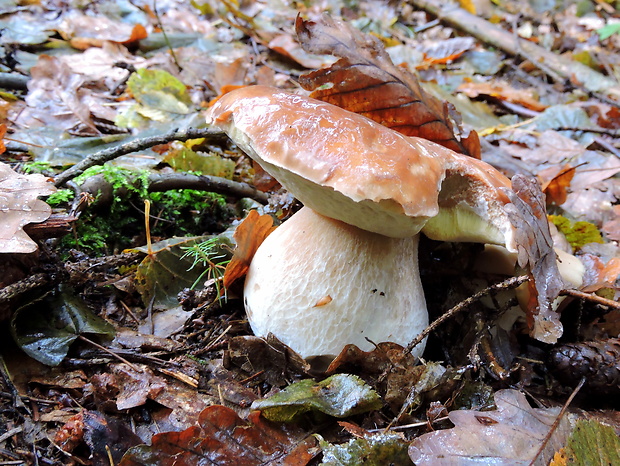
319, 284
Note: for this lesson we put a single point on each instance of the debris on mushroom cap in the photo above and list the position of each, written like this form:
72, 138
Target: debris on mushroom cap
376, 178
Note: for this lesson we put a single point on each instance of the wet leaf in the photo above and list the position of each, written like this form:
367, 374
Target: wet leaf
45, 329
340, 395
364, 80
222, 437
160, 97
249, 235
165, 272
275, 362
511, 435
535, 253
107, 438
19, 206
367, 449
184, 159
594, 444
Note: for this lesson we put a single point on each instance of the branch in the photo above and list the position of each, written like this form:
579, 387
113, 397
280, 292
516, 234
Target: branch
549, 62
105, 155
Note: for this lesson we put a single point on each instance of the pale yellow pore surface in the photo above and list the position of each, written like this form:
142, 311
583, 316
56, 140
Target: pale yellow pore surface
318, 284
341, 164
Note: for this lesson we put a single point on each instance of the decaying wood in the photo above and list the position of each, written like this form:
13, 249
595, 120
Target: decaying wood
546, 60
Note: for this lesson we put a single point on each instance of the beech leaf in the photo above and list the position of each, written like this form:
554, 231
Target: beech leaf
365, 80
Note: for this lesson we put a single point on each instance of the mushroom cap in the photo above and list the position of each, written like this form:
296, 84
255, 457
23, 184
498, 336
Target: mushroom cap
348, 167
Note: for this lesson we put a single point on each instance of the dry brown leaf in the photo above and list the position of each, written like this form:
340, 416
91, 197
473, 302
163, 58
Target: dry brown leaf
286, 45
364, 80
611, 228
535, 253
445, 51
511, 435
19, 206
249, 236
503, 91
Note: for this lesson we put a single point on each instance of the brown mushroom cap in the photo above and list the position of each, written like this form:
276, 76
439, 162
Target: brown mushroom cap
346, 166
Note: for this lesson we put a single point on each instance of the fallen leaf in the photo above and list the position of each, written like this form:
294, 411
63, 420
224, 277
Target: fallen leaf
340, 395
166, 270
2, 133
107, 438
511, 435
249, 235
593, 443
19, 206
526, 211
271, 359
556, 188
446, 51
45, 329
503, 91
368, 448
223, 438
364, 80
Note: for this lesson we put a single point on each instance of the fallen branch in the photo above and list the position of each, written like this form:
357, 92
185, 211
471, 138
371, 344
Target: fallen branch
512, 282
105, 155
549, 62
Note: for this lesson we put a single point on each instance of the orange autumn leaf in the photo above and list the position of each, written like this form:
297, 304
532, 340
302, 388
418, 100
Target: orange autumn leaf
365, 80
249, 236
556, 189
2, 133
502, 91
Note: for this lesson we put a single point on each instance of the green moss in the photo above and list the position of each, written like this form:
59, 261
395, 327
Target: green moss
103, 230
578, 234
60, 197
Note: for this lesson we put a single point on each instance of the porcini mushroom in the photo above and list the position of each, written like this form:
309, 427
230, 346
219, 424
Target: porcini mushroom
344, 269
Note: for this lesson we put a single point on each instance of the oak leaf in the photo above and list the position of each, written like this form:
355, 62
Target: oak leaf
19, 206
365, 80
535, 253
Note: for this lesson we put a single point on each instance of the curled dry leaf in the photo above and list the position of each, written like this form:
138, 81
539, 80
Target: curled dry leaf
511, 435
535, 253
503, 91
248, 236
365, 80
19, 206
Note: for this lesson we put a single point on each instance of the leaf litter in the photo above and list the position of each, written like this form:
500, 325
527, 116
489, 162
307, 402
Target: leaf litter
207, 357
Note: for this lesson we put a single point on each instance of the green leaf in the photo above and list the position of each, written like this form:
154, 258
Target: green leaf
592, 443
159, 90
375, 449
185, 159
165, 272
608, 30
46, 328
340, 395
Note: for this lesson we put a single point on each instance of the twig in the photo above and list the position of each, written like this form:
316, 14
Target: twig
110, 352
556, 423
105, 155
508, 284
591, 297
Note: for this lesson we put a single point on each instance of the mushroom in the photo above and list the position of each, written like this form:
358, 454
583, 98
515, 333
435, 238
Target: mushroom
344, 269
